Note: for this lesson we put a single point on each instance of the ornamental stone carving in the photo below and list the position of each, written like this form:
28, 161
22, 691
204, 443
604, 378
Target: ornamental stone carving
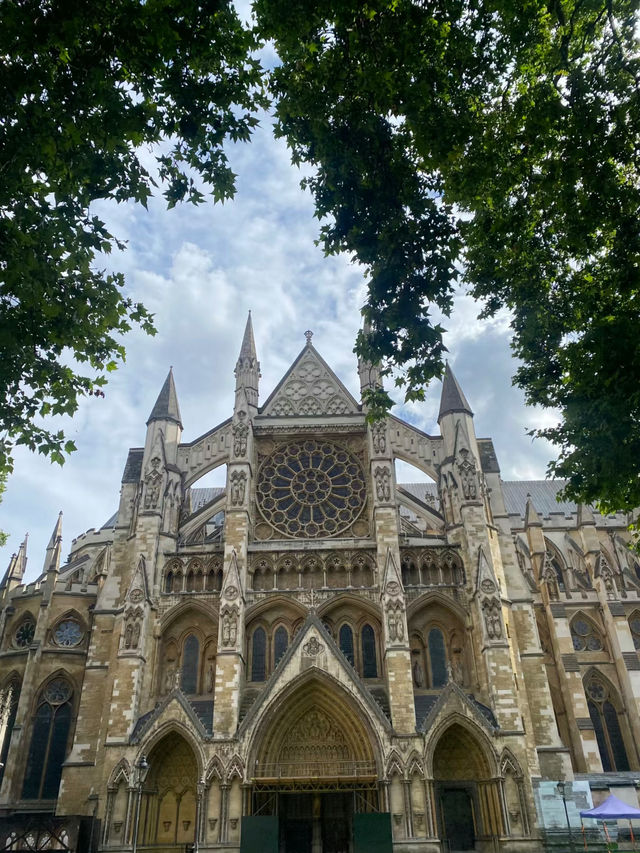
379, 437
313, 647
382, 476
240, 431
153, 483
311, 389
230, 627
238, 487
468, 475
492, 618
395, 621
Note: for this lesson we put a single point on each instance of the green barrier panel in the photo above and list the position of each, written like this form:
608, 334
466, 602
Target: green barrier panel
259, 834
372, 833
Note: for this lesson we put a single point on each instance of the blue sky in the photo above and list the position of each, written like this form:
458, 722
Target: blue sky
200, 270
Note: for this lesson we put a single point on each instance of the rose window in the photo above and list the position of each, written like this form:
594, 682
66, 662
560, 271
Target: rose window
24, 634
311, 489
68, 633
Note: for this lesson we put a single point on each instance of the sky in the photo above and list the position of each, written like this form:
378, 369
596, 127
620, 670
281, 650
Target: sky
200, 270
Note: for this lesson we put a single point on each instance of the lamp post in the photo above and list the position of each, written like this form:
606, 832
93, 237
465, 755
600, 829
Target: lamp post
143, 768
561, 790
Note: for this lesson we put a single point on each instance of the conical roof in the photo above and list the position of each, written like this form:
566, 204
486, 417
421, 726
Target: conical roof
248, 348
166, 407
452, 398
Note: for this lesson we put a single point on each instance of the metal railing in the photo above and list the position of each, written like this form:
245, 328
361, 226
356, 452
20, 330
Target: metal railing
314, 769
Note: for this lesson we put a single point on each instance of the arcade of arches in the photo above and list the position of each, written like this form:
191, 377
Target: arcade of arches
309, 656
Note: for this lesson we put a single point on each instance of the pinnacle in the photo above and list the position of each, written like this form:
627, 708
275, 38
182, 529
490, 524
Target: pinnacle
452, 398
166, 407
248, 348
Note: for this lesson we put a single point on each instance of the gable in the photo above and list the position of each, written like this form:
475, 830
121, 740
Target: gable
309, 388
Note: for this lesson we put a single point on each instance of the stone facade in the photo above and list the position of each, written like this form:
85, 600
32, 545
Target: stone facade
317, 642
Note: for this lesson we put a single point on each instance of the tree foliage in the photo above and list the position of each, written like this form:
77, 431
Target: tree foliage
88, 89
481, 143
495, 144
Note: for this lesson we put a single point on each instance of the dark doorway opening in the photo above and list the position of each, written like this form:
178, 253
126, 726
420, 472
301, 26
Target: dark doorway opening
457, 816
314, 822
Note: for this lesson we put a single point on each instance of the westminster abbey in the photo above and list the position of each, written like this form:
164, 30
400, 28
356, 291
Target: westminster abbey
318, 658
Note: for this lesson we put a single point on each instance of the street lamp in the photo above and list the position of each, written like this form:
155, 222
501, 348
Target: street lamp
560, 788
143, 768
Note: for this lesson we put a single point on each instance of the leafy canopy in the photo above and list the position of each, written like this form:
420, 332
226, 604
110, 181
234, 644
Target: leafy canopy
87, 89
495, 144
477, 142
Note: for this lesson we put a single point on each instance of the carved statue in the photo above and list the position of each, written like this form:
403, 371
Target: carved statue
383, 483
229, 628
169, 679
135, 639
238, 486
493, 622
379, 437
418, 673
468, 478
209, 679
128, 636
240, 430
153, 482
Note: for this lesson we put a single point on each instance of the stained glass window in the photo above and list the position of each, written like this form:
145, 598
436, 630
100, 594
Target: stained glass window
190, 663
24, 634
585, 636
49, 739
346, 643
369, 662
68, 633
606, 724
634, 624
437, 658
258, 655
280, 643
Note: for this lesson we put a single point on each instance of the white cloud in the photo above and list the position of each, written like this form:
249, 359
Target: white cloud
200, 269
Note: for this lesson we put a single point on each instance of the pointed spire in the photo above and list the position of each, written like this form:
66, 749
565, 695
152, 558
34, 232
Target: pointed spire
248, 348
370, 375
585, 515
248, 367
166, 407
56, 539
452, 398
17, 565
531, 517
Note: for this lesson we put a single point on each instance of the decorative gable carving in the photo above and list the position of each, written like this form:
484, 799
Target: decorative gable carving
310, 388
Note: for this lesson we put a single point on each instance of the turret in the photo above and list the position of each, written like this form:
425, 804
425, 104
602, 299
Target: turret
165, 418
15, 570
247, 370
369, 373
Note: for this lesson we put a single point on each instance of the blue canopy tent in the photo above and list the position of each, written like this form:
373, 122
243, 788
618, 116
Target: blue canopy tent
613, 809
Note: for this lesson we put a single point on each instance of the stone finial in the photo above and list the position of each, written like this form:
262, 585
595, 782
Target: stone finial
308, 335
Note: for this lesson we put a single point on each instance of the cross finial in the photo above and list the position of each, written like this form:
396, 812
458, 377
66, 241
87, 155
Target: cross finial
308, 335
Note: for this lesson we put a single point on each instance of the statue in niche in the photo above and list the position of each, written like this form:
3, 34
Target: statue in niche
468, 478
493, 622
135, 639
379, 437
128, 636
170, 678
209, 679
238, 485
383, 483
418, 673
153, 481
229, 629
240, 431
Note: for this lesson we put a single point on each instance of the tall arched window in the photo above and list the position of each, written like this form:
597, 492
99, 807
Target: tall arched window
168, 581
280, 643
8, 709
258, 655
437, 658
369, 662
345, 639
49, 738
634, 624
190, 664
607, 726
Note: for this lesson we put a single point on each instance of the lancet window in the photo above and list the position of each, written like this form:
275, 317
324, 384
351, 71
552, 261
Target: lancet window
190, 665
602, 703
49, 738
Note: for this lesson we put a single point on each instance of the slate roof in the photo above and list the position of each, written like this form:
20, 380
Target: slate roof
452, 399
200, 497
133, 465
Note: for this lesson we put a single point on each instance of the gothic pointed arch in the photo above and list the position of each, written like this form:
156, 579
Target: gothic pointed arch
586, 634
607, 714
167, 729
235, 769
215, 770
313, 724
472, 738
121, 772
394, 766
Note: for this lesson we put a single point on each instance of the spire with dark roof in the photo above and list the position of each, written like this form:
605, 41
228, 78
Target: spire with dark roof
370, 375
248, 367
452, 398
166, 407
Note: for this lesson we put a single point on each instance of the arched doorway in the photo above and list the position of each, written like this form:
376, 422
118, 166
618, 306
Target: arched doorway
315, 769
169, 813
467, 795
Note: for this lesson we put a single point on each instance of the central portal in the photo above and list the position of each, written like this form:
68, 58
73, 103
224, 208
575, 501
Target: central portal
316, 823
